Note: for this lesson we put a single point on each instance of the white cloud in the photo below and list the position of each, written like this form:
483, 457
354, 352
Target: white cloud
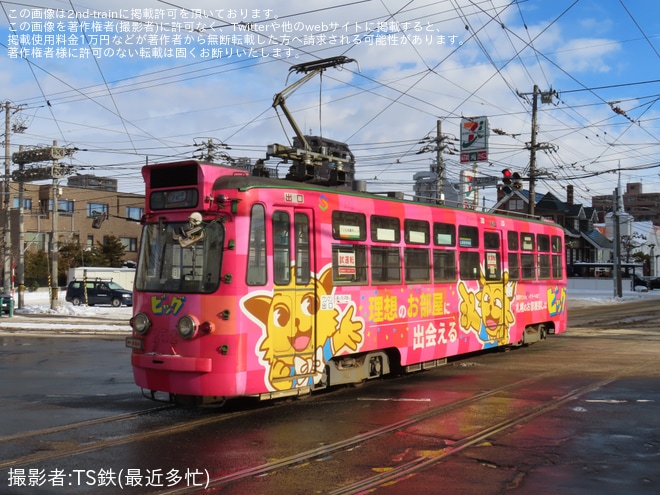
126, 111
588, 55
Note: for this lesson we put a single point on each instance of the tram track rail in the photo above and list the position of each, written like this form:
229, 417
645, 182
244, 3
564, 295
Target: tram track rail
104, 443
424, 462
104, 434
352, 442
221, 483
81, 424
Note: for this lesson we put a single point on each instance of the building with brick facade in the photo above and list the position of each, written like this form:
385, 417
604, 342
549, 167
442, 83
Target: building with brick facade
644, 207
76, 209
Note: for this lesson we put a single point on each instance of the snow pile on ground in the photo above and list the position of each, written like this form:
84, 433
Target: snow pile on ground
578, 298
38, 303
37, 317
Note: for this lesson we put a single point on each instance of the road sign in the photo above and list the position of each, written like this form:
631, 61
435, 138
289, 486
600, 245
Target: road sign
484, 181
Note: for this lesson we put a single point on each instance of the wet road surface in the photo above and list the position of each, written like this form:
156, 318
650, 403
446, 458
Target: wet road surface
578, 413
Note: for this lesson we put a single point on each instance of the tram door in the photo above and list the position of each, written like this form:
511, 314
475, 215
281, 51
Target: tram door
495, 286
295, 303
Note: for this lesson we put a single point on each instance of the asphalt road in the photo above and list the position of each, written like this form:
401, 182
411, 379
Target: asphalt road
578, 413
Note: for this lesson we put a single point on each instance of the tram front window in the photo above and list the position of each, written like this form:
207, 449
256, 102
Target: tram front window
177, 258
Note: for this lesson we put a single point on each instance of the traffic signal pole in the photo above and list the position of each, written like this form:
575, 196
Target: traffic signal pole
54, 172
7, 282
54, 249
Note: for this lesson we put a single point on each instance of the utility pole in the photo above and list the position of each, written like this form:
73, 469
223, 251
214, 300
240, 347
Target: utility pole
440, 165
6, 282
20, 268
475, 189
437, 167
546, 97
54, 293
616, 265
207, 151
8, 253
54, 172
532, 155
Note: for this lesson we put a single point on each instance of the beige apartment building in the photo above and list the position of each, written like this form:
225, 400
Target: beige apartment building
77, 207
644, 207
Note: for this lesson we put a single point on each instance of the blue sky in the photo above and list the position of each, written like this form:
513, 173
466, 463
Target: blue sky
415, 62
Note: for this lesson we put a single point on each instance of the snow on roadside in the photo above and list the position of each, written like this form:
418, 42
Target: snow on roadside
582, 298
37, 304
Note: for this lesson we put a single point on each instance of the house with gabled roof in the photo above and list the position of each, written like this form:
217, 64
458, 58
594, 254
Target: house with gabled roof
584, 242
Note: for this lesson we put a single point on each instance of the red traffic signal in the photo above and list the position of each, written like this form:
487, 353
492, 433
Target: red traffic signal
507, 176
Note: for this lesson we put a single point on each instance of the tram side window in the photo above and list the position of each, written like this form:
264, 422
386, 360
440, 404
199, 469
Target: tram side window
512, 243
514, 266
528, 266
302, 248
544, 266
214, 248
556, 244
557, 261
512, 240
256, 269
557, 267
468, 236
527, 244
527, 241
349, 264
281, 248
444, 262
385, 229
348, 225
444, 234
468, 261
385, 264
469, 265
492, 263
416, 265
491, 241
543, 246
444, 266
416, 231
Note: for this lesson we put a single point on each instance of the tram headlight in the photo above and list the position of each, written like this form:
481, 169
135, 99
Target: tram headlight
140, 323
187, 327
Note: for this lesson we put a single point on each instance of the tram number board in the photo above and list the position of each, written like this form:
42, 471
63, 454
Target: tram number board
134, 343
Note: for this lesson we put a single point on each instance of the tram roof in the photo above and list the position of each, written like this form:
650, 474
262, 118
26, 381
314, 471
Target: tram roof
245, 182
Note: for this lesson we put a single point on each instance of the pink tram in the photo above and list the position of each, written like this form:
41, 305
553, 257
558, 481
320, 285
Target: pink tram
251, 286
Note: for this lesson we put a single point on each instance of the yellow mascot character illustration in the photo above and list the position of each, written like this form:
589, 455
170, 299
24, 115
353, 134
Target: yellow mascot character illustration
487, 311
301, 330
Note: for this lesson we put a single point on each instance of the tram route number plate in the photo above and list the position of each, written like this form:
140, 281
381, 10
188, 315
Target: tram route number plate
134, 343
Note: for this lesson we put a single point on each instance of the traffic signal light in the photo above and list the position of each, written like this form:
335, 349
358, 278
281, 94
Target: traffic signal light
507, 180
511, 179
98, 220
517, 180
